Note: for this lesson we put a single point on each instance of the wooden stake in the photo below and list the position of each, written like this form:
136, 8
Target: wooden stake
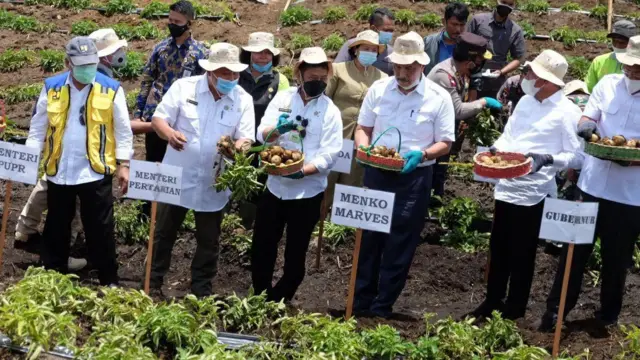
610, 15
152, 228
563, 298
323, 216
354, 273
5, 217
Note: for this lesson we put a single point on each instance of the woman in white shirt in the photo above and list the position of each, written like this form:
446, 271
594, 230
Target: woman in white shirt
294, 201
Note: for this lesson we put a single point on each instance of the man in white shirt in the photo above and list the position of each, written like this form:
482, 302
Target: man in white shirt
423, 113
300, 115
194, 114
542, 127
613, 109
87, 112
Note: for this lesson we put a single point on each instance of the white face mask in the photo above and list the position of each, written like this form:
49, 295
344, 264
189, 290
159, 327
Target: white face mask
414, 84
529, 88
633, 86
619, 50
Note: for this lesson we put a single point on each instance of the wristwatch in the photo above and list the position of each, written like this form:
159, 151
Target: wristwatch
425, 155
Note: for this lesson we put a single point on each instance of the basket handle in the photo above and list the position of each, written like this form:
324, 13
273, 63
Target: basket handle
380, 136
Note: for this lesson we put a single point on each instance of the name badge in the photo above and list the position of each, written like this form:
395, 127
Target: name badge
191, 101
285, 110
187, 71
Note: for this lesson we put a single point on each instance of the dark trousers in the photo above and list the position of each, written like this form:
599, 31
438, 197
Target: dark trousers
513, 244
300, 217
385, 259
96, 212
154, 148
618, 228
440, 175
205, 261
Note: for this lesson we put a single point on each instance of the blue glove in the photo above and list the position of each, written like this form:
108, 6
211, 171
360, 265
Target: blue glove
539, 161
493, 103
586, 129
493, 150
284, 126
296, 175
364, 148
412, 159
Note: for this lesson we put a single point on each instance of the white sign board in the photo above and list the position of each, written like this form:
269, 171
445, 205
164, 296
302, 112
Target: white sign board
155, 182
362, 208
19, 162
482, 178
345, 157
568, 221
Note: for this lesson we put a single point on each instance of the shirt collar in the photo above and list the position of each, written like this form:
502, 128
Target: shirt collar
186, 43
248, 70
419, 89
555, 98
501, 24
203, 87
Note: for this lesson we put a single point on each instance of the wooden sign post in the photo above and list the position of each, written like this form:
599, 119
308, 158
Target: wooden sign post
361, 208
571, 223
5, 217
154, 182
609, 15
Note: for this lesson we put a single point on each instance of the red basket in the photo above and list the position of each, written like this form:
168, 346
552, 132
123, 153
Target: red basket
509, 172
380, 162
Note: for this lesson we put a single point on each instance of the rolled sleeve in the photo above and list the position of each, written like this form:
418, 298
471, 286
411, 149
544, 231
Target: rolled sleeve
367, 116
271, 115
122, 127
445, 123
39, 122
330, 142
246, 126
169, 107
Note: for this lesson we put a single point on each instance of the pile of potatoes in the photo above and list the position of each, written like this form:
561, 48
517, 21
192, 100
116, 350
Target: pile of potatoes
278, 156
497, 161
382, 151
226, 146
617, 140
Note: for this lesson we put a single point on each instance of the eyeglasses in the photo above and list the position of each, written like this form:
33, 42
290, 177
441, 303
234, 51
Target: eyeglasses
82, 115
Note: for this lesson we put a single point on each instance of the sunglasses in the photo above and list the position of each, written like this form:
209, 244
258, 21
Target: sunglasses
82, 115
304, 123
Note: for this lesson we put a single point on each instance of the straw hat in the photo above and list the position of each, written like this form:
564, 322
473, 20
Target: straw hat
223, 55
409, 48
312, 55
549, 65
259, 41
107, 41
632, 56
574, 86
368, 37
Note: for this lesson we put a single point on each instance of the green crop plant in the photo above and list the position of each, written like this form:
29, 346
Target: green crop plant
334, 235
207, 310
154, 9
170, 323
230, 222
240, 177
384, 343
578, 66
457, 216
115, 341
52, 60
21, 23
132, 97
116, 304
536, 6
12, 60
477, 4
528, 30
235, 235
66, 4
631, 342
251, 313
600, 36
299, 42
523, 352
485, 130
499, 334
333, 42
365, 11
129, 225
406, 17
571, 6
599, 12
567, 35
425, 348
83, 27
333, 14
287, 71
144, 31
119, 7
189, 223
634, 15
222, 9
430, 20
295, 15
21, 93
456, 340
133, 68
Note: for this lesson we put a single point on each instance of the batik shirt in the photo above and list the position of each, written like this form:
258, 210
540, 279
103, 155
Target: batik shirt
167, 63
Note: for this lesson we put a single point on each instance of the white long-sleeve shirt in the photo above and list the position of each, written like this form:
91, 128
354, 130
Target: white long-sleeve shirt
616, 113
547, 127
322, 143
74, 168
190, 108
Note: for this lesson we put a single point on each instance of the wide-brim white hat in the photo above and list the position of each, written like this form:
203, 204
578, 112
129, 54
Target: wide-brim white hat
260, 41
223, 55
575, 85
407, 49
107, 41
632, 56
313, 55
368, 37
550, 66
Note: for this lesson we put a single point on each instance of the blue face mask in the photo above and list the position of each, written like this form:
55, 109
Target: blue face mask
262, 68
85, 74
385, 37
225, 86
366, 58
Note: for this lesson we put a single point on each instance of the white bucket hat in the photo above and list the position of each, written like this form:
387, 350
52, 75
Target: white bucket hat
368, 37
632, 56
550, 66
107, 41
575, 85
312, 55
259, 41
407, 49
223, 55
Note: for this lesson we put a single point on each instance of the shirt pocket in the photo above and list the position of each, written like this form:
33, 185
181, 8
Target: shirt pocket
420, 126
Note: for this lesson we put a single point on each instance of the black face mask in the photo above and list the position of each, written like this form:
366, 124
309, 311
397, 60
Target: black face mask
314, 88
503, 10
177, 30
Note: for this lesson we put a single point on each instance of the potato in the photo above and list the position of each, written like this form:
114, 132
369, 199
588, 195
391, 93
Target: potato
264, 155
296, 156
497, 158
391, 152
631, 143
485, 158
397, 156
515, 162
276, 150
287, 154
594, 138
276, 159
608, 142
619, 140
503, 163
288, 162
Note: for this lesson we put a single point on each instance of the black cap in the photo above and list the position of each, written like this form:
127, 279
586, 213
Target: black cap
475, 45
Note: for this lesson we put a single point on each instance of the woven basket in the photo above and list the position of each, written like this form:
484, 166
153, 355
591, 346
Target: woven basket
380, 162
509, 172
608, 152
283, 170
